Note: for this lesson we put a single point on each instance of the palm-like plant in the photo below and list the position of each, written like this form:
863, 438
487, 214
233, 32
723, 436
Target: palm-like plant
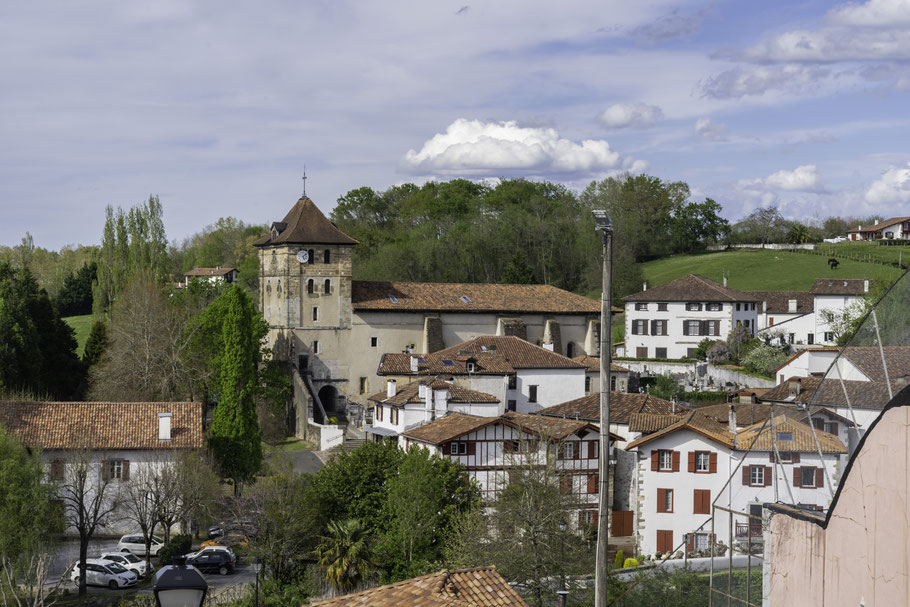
345, 552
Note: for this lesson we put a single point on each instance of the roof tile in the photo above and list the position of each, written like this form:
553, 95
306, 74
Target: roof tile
305, 224
622, 406
691, 288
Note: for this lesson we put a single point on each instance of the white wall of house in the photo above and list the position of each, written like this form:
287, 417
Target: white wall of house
808, 363
399, 418
797, 330
836, 304
553, 386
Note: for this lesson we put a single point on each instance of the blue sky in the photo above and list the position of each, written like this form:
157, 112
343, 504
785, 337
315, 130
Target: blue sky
217, 106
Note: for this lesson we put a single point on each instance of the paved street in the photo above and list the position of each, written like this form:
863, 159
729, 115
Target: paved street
303, 461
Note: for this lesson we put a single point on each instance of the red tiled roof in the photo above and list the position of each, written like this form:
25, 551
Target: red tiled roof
691, 288
879, 226
485, 363
622, 406
449, 427
305, 224
468, 297
209, 271
516, 351
72, 425
829, 392
409, 394
779, 301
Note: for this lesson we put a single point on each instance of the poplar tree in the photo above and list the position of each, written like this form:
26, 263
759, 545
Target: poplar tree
235, 436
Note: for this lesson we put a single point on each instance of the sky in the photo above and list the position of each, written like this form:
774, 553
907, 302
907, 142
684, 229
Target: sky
216, 107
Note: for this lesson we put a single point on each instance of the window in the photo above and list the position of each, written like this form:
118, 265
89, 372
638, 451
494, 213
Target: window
116, 469
514, 446
664, 500
692, 327
532, 394
786, 457
829, 336
593, 449
326, 256
664, 540
512, 405
570, 350
810, 338
379, 412
513, 382
690, 352
641, 306
702, 461
56, 472
757, 476
587, 384
327, 286
568, 450
660, 352
659, 327
701, 501
752, 306
784, 436
693, 307
393, 416
639, 327
714, 306
309, 286
363, 385
460, 448
770, 321
791, 337
374, 341
588, 517
737, 307
831, 428
613, 383
592, 483
746, 322
315, 347
662, 307
565, 484
808, 477
312, 256
315, 313
664, 460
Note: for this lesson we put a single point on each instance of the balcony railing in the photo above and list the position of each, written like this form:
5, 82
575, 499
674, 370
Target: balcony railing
744, 530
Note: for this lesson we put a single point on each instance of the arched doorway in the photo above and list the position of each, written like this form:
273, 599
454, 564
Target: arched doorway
328, 396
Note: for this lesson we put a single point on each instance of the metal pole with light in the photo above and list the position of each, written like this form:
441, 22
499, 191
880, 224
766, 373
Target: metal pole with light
179, 586
257, 567
562, 552
604, 225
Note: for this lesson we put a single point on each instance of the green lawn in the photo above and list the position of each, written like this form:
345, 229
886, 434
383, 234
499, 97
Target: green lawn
82, 325
764, 270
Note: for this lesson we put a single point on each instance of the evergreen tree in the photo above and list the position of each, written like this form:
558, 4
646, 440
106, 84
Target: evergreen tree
75, 297
95, 344
235, 435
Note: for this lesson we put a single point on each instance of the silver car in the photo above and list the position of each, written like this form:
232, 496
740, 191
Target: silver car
135, 543
100, 572
131, 562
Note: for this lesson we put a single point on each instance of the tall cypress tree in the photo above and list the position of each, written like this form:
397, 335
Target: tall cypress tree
235, 436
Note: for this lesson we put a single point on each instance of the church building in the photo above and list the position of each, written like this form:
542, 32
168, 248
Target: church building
333, 330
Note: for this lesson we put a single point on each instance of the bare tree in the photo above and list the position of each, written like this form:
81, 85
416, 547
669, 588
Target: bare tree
198, 488
149, 496
24, 582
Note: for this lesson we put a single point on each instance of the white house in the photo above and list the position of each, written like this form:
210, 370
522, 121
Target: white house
218, 274
522, 376
119, 442
399, 409
895, 227
810, 362
683, 470
670, 320
489, 448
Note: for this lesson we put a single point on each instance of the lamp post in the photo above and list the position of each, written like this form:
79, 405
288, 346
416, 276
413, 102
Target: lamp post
562, 553
257, 567
179, 586
604, 225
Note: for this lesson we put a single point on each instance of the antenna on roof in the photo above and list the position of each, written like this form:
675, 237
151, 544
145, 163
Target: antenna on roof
304, 181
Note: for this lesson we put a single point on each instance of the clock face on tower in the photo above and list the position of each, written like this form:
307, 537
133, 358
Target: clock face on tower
302, 256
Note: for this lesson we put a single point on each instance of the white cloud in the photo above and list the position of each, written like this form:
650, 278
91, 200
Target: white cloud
638, 115
670, 26
887, 13
805, 178
893, 186
739, 82
709, 130
473, 147
832, 45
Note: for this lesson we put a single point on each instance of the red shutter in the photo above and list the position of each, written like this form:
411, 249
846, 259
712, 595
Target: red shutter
691, 461
592, 483
690, 542
768, 470
581, 518
797, 477
655, 461
576, 449
713, 463
796, 458
126, 470
831, 428
676, 461
746, 476
819, 477
472, 448
661, 501
596, 517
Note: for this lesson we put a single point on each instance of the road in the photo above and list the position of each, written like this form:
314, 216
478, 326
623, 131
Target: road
302, 461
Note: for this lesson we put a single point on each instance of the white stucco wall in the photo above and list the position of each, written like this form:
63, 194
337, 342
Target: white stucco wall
554, 386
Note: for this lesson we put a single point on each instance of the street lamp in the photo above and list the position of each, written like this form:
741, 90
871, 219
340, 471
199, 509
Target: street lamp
562, 553
604, 225
257, 567
179, 586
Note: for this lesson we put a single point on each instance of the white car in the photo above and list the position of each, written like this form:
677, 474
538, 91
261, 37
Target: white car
836, 240
100, 572
135, 543
130, 561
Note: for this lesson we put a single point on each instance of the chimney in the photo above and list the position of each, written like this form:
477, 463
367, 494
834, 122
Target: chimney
414, 367
442, 400
731, 419
644, 286
792, 306
764, 307
725, 280
422, 390
865, 286
164, 426
794, 388
390, 388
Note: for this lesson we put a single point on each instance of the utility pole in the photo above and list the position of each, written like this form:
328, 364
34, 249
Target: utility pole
604, 225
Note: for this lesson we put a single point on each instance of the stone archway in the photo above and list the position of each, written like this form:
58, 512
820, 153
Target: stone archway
328, 396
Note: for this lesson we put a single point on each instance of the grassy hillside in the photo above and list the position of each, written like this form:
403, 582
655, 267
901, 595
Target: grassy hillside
763, 270
82, 325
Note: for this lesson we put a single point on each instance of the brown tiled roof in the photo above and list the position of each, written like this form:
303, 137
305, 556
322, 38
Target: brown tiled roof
516, 351
305, 224
756, 392
550, 428
449, 427
868, 359
759, 437
840, 286
210, 271
691, 288
593, 364
477, 587
880, 226
409, 394
830, 392
779, 301
801, 352
485, 363
59, 425
651, 422
622, 406
755, 413
469, 297
695, 421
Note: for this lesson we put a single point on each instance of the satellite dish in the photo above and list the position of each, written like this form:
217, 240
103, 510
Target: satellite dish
303, 256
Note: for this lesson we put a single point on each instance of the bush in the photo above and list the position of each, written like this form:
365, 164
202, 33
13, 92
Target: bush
764, 360
718, 353
619, 560
630, 562
701, 351
179, 545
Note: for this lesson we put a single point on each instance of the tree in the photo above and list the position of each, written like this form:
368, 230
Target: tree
763, 225
28, 524
235, 437
798, 233
697, 224
345, 552
764, 359
75, 297
197, 489
95, 344
845, 321
149, 495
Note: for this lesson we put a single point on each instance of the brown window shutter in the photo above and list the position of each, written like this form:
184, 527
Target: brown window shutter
592, 483
644, 327
796, 458
716, 328
832, 428
797, 476
596, 517
746, 476
676, 461
661, 501
654, 461
634, 332
685, 327
768, 470
771, 457
690, 542
126, 470
691, 461
819, 477
703, 327
472, 448
576, 449
712, 463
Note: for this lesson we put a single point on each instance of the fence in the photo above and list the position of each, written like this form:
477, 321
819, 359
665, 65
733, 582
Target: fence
771, 246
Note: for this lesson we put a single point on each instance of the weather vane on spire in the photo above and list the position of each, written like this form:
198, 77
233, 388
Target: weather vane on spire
304, 181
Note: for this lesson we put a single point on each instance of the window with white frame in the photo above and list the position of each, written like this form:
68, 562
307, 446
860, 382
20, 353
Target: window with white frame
693, 306
702, 461
664, 460
641, 306
757, 476
115, 469
714, 306
458, 448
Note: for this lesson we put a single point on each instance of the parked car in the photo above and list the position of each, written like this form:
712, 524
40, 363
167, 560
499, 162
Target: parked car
210, 549
244, 526
101, 572
131, 562
208, 560
135, 543
228, 539
836, 239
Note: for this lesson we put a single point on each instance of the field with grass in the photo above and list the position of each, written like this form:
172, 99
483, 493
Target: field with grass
82, 325
765, 270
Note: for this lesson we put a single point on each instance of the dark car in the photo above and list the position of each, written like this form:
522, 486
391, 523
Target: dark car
211, 561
